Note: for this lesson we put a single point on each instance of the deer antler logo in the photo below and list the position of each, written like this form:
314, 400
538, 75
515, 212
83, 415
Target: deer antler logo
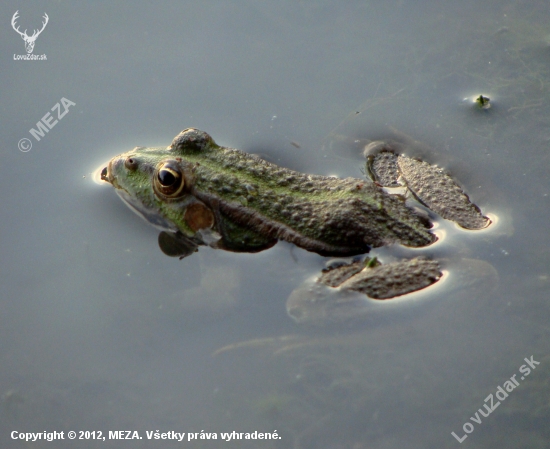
29, 40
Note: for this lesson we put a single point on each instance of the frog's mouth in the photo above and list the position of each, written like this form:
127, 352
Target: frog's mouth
149, 214
107, 175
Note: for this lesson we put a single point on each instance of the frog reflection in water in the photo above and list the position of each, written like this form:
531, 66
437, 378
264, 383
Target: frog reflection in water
200, 193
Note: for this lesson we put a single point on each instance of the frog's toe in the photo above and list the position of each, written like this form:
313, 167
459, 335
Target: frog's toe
439, 192
382, 164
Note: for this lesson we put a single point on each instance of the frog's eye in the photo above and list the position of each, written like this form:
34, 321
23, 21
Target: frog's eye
169, 180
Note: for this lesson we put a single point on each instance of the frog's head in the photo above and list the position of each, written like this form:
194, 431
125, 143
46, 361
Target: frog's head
157, 183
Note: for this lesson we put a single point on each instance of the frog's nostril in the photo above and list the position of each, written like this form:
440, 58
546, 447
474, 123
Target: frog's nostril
131, 163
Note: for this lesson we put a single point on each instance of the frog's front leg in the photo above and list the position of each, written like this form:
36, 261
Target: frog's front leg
176, 244
430, 185
334, 297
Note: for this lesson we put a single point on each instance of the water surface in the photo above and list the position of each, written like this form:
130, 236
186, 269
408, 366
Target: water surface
101, 331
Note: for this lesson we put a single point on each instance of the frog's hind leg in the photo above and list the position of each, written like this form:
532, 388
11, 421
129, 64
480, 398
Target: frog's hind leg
345, 292
430, 185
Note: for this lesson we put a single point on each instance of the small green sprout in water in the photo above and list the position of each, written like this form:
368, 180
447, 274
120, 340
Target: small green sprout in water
483, 102
371, 262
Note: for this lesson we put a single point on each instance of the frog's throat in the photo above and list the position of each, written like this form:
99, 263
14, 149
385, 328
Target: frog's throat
150, 215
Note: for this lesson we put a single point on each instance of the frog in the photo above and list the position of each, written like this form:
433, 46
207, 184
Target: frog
198, 193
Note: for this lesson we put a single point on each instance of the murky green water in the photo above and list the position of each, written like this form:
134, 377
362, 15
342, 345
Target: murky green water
101, 331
